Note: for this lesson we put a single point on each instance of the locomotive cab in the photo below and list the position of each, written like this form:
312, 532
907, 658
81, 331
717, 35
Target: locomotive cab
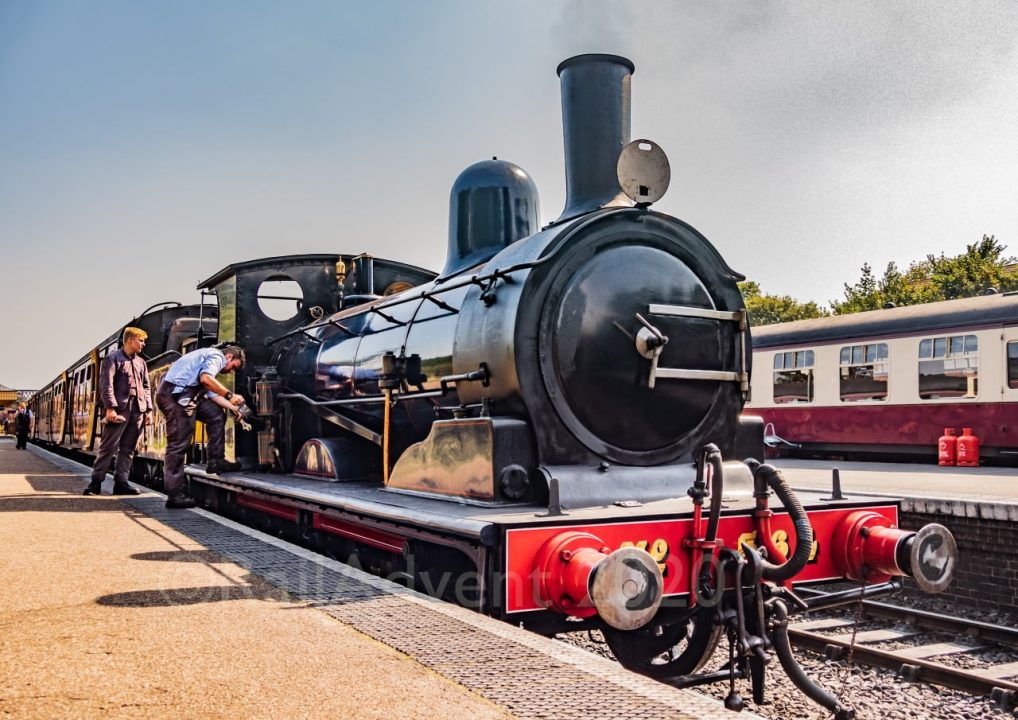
263, 303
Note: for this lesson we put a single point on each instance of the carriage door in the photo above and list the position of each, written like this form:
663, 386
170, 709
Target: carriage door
1009, 406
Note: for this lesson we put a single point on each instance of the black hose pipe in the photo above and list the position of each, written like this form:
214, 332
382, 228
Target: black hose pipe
769, 476
798, 676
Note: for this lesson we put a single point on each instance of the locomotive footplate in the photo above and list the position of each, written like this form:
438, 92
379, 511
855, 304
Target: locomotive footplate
503, 544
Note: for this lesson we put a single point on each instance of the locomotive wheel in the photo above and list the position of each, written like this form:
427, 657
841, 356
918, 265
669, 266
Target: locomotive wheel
682, 648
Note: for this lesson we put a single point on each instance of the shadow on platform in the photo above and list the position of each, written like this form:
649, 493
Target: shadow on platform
250, 587
63, 503
66, 483
202, 556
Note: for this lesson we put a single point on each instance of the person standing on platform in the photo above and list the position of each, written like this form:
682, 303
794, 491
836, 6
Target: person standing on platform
22, 424
183, 397
127, 404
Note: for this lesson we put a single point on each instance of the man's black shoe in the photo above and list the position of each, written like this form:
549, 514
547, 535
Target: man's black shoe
181, 502
124, 490
220, 466
93, 489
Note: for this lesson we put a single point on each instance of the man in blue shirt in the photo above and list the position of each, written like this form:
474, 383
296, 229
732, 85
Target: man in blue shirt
183, 397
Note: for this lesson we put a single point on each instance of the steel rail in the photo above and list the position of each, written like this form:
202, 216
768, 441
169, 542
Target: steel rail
1004, 692
975, 629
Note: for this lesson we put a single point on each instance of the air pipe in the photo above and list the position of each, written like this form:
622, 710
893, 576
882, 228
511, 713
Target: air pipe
764, 477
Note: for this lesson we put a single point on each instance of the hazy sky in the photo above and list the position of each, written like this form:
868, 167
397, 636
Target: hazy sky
145, 145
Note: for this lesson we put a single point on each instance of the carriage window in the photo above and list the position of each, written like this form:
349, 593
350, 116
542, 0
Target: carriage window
864, 372
949, 367
793, 377
1012, 364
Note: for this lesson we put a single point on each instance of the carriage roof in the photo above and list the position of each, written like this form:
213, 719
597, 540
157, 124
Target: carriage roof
946, 315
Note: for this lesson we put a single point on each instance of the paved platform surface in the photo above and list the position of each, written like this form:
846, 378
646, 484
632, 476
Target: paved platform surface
989, 484
118, 608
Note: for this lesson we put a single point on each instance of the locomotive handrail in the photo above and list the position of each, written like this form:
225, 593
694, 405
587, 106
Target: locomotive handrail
424, 295
341, 326
694, 312
443, 305
369, 400
439, 288
321, 407
736, 316
150, 308
390, 318
481, 374
161, 357
679, 374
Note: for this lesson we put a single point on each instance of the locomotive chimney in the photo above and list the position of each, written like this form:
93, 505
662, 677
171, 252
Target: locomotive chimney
595, 126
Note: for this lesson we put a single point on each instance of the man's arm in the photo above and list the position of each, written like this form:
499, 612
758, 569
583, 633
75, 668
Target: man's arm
145, 385
106, 396
215, 387
225, 404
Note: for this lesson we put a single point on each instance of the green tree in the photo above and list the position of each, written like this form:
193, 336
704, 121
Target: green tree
895, 287
765, 309
864, 295
983, 265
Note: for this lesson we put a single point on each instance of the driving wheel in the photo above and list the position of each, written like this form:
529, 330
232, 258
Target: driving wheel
667, 651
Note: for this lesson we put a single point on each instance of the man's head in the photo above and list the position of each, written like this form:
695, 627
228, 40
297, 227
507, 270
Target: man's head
134, 340
234, 358
21, 406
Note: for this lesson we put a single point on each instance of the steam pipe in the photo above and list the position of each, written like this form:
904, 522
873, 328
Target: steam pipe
364, 271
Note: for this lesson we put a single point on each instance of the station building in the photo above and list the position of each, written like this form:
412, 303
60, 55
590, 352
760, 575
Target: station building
9, 399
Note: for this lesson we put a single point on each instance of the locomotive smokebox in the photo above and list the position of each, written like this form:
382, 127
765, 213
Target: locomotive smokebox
596, 126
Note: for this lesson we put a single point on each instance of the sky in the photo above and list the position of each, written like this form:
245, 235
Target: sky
145, 144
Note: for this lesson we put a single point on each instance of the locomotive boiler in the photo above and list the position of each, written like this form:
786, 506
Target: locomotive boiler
548, 431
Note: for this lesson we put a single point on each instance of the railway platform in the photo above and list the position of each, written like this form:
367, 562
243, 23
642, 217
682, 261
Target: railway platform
994, 489
115, 607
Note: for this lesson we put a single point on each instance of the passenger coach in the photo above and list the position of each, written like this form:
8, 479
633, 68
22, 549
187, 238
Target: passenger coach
885, 383
67, 414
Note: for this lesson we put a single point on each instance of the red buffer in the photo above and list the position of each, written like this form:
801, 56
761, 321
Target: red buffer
968, 449
947, 447
868, 548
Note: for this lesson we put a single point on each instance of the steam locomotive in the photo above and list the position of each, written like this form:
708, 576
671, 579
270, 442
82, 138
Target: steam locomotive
548, 430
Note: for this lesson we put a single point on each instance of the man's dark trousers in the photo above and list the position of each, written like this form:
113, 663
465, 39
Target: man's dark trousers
180, 428
119, 439
21, 425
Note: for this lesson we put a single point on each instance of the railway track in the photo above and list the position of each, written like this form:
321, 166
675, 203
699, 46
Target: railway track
919, 661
